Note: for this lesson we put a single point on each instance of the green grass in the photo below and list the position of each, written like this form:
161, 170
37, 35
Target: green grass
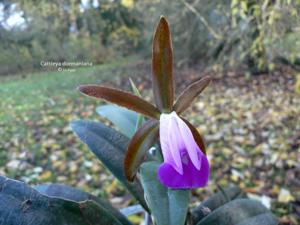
34, 126
20, 95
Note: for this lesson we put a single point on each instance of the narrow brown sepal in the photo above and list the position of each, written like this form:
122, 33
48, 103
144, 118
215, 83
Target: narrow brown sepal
162, 67
190, 93
140, 143
121, 98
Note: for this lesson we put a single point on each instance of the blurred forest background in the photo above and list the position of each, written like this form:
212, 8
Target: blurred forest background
249, 115
231, 33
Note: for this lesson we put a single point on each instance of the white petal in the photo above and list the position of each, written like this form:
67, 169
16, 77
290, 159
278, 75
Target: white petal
176, 143
189, 141
170, 151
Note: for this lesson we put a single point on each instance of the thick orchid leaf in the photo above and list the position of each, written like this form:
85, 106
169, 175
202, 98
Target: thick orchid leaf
123, 118
190, 93
121, 98
140, 143
236, 212
131, 210
168, 206
222, 197
265, 219
93, 216
73, 194
110, 147
216, 201
21, 204
199, 140
162, 65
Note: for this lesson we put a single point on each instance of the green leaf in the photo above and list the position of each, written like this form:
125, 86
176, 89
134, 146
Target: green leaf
140, 143
131, 210
134, 88
265, 219
190, 93
121, 98
90, 211
168, 206
162, 66
20, 204
109, 146
235, 212
137, 92
73, 194
123, 118
215, 202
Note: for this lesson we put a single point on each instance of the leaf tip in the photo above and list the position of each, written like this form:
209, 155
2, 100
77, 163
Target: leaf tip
162, 19
81, 88
73, 124
163, 24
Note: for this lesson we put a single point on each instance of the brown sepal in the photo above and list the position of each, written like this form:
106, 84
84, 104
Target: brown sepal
162, 66
140, 143
121, 98
190, 93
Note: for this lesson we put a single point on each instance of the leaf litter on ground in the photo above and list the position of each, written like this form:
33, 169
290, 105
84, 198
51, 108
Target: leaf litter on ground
251, 126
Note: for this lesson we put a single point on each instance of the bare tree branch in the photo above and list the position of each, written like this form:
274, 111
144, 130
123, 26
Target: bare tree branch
202, 19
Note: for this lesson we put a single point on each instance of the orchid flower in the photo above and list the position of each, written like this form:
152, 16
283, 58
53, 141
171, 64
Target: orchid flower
185, 163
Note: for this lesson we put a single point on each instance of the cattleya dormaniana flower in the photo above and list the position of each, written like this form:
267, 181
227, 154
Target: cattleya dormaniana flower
185, 163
